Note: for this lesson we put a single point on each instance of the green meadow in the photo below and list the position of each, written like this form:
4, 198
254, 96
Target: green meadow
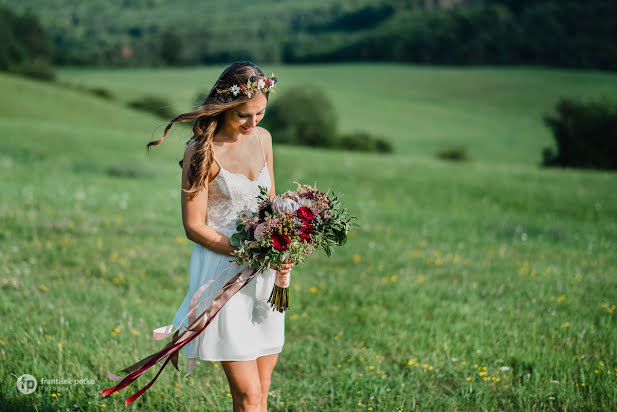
479, 286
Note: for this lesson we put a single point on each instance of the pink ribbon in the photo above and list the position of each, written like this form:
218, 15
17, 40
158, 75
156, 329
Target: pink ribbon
282, 280
179, 340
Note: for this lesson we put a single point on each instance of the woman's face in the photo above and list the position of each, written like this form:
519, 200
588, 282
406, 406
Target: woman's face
243, 119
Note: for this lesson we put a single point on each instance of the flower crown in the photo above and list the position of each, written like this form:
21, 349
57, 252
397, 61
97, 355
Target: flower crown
252, 84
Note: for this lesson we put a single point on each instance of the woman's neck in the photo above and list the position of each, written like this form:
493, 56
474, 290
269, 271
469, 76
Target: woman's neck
226, 136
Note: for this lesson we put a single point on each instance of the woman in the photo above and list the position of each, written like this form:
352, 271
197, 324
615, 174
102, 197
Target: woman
224, 164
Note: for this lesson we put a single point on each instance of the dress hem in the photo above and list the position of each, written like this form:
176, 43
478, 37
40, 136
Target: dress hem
272, 351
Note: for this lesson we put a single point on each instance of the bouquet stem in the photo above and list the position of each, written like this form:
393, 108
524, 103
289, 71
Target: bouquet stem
279, 299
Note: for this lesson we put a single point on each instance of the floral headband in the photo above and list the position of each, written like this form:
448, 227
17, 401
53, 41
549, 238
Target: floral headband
253, 83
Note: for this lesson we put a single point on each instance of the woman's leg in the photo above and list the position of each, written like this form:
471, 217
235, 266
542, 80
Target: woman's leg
265, 365
244, 383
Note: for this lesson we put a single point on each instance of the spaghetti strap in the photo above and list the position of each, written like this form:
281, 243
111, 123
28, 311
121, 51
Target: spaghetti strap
262, 146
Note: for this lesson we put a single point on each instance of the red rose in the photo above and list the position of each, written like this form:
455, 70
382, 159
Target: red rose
280, 242
305, 214
305, 232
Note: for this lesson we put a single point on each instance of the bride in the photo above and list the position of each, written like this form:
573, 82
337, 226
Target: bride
225, 162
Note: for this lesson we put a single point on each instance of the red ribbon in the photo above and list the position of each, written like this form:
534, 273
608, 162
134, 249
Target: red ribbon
179, 340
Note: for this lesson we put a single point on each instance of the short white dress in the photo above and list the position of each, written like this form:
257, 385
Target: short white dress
246, 327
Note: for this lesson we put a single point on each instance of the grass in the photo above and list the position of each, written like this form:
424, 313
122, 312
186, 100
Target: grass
467, 286
495, 112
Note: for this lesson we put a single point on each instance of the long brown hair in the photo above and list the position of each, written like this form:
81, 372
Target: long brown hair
208, 120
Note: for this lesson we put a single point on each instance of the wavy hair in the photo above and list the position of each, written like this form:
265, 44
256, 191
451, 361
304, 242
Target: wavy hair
208, 118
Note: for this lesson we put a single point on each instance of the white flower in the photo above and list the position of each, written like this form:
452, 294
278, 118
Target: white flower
284, 205
504, 368
234, 89
261, 84
306, 202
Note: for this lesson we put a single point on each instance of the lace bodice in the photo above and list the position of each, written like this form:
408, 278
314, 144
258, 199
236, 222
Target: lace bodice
230, 194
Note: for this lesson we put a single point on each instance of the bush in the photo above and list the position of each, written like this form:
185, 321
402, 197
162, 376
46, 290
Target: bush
363, 141
101, 92
127, 171
455, 154
37, 68
302, 116
155, 105
305, 116
585, 134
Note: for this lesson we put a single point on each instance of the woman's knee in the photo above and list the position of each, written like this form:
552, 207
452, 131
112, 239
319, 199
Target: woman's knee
248, 396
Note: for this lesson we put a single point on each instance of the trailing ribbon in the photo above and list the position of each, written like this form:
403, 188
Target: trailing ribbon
179, 340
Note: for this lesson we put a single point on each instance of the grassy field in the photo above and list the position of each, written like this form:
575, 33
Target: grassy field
496, 113
488, 285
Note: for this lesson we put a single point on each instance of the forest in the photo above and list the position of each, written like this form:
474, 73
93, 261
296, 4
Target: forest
123, 33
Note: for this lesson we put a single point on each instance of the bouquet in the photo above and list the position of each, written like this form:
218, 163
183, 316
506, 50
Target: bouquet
288, 228
285, 229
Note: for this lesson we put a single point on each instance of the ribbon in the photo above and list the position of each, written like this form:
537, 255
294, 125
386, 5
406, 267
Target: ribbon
282, 280
179, 340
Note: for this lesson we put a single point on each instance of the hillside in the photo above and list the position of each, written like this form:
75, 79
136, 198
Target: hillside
496, 113
465, 286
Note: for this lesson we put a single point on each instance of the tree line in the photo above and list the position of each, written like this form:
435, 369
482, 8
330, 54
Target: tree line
565, 33
25, 47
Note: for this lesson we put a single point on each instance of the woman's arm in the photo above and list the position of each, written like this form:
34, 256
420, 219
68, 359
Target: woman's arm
194, 214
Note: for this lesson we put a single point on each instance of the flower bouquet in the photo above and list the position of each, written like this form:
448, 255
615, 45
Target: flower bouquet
285, 229
288, 228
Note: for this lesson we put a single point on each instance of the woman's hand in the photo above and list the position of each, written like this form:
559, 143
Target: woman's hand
285, 269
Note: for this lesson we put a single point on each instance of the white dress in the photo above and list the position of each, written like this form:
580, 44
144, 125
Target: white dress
246, 327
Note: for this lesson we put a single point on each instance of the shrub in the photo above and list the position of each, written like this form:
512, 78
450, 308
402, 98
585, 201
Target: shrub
363, 141
127, 171
302, 116
455, 154
101, 92
36, 68
154, 104
585, 134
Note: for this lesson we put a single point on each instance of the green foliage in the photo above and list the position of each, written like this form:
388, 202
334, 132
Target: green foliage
363, 141
154, 104
37, 68
302, 116
305, 116
171, 47
534, 33
585, 134
25, 48
457, 154
102, 92
154, 32
127, 171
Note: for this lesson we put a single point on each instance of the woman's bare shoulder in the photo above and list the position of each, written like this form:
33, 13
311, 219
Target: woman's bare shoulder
266, 137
